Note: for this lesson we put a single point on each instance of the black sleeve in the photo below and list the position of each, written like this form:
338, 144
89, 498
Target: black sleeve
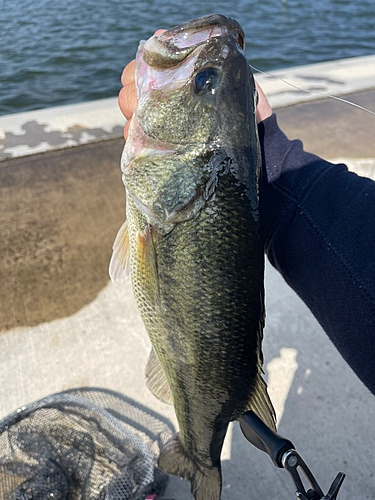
318, 222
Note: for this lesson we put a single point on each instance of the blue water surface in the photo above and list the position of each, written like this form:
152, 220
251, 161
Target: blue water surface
54, 52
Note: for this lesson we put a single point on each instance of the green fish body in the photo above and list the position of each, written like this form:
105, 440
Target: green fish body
191, 170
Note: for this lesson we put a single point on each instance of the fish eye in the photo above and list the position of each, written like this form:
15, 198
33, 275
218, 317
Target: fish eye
206, 80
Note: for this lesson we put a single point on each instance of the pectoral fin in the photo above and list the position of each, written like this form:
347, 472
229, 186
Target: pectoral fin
146, 270
120, 259
156, 380
262, 405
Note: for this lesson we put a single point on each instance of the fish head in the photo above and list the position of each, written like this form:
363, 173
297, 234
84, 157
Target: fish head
196, 105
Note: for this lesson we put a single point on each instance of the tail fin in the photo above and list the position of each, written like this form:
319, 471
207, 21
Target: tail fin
205, 482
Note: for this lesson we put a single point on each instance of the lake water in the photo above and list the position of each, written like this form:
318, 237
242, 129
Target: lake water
54, 52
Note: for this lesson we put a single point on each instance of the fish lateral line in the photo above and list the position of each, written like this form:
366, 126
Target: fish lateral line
323, 94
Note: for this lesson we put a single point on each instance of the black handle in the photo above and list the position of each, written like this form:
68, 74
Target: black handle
283, 455
261, 436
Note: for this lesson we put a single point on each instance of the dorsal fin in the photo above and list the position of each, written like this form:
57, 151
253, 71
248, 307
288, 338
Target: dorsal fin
120, 259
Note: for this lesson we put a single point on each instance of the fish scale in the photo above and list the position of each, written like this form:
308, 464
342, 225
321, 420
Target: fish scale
196, 256
227, 313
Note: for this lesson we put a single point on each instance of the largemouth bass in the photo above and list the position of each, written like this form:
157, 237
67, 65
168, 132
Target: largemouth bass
191, 169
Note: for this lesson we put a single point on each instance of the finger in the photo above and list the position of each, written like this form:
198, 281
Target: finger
126, 130
259, 90
127, 100
128, 75
264, 110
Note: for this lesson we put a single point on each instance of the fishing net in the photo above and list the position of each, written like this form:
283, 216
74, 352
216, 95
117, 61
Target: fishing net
85, 444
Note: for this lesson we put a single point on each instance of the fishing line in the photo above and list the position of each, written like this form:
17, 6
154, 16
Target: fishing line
314, 91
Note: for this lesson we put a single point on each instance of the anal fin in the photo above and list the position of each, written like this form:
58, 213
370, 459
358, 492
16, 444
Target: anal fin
155, 379
262, 405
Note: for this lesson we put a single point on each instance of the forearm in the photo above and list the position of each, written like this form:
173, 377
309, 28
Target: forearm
319, 224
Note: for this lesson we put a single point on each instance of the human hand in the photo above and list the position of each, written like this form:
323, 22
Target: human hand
127, 98
264, 110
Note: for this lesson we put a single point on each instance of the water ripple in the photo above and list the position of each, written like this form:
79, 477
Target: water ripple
58, 53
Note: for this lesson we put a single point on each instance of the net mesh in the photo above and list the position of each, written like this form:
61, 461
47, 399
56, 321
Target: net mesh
84, 444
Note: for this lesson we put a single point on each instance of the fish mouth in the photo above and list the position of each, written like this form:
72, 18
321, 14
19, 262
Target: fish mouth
173, 46
167, 61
